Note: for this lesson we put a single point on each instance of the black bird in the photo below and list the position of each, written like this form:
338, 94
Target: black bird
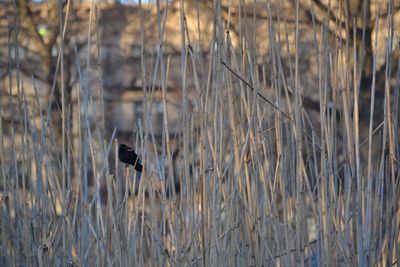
127, 155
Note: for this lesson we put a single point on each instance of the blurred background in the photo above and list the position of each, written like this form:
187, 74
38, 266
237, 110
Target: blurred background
120, 58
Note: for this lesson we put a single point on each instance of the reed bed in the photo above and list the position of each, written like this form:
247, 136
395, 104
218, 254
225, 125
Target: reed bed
262, 181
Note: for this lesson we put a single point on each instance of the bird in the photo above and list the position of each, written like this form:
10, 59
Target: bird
128, 156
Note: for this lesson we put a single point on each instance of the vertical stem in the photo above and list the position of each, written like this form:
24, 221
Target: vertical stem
63, 122
359, 199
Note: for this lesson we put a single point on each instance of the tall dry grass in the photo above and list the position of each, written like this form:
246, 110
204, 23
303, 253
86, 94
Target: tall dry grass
262, 182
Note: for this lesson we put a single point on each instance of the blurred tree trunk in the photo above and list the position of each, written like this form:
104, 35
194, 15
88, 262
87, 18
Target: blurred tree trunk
360, 13
44, 48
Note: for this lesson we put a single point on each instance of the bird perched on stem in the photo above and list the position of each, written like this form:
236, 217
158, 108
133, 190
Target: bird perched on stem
128, 156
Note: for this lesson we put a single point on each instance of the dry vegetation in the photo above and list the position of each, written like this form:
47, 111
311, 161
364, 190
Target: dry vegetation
268, 174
